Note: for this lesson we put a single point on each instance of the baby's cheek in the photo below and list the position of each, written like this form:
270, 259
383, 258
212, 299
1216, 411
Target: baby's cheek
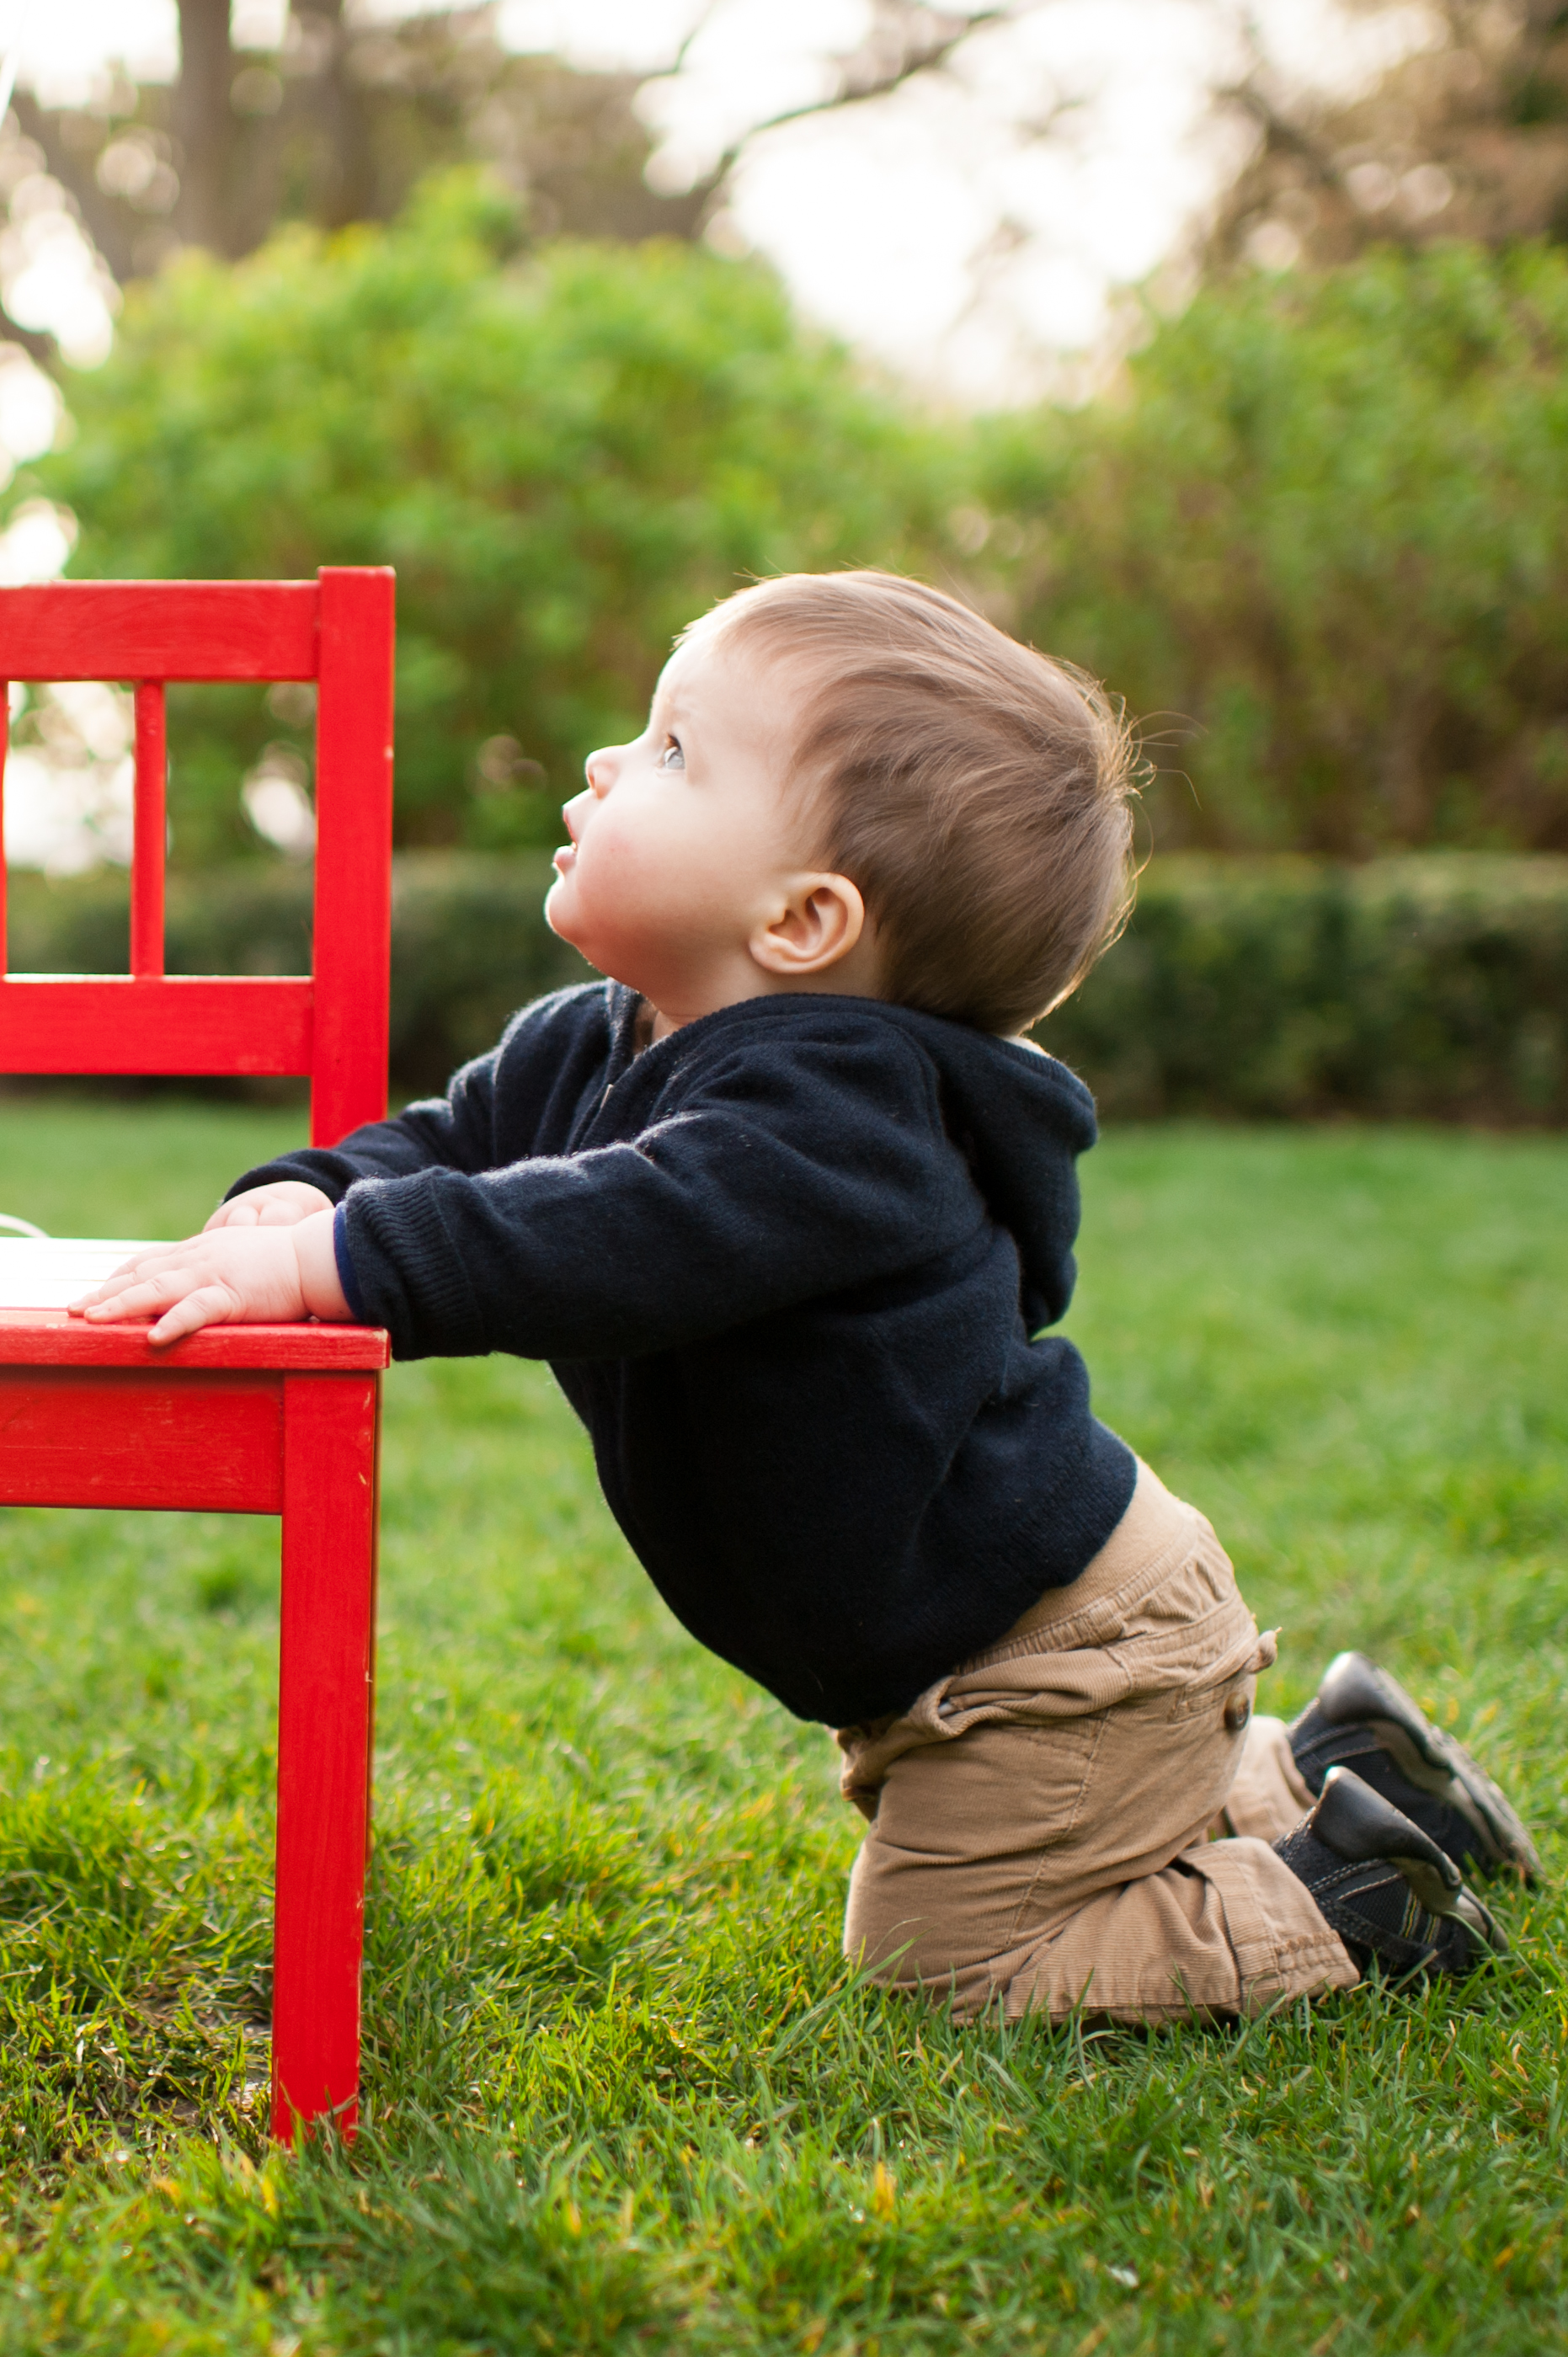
597, 907
626, 884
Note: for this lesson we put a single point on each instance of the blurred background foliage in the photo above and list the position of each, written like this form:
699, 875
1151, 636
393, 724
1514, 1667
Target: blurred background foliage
396, 295
1464, 136
1320, 537
1318, 534
568, 449
338, 125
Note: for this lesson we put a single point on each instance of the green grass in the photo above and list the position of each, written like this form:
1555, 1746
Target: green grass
623, 2093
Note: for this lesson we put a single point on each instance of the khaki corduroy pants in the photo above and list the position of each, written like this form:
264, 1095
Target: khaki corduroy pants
1039, 1819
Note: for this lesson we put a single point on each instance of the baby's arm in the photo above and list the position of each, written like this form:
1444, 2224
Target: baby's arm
262, 1273
266, 1254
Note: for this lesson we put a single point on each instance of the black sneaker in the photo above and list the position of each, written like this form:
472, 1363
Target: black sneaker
1389, 1891
1364, 1719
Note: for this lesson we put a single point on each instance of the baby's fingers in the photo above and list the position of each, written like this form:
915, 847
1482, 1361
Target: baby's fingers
240, 1213
177, 1291
136, 1294
209, 1305
103, 1299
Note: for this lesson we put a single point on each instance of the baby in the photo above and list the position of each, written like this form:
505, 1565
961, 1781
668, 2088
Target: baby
788, 1203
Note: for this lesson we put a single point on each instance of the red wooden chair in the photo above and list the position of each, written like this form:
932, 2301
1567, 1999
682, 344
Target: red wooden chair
238, 1419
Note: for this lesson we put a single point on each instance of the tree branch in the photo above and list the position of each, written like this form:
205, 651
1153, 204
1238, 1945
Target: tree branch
861, 77
37, 346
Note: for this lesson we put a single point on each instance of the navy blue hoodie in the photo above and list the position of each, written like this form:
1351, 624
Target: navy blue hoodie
788, 1264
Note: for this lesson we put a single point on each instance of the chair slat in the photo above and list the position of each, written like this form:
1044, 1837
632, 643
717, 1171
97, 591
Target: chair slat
5, 756
353, 850
227, 1023
150, 837
183, 630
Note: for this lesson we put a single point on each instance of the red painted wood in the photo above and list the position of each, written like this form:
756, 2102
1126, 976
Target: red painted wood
47, 1338
326, 1654
5, 749
185, 1023
150, 833
252, 1418
353, 851
159, 629
107, 1437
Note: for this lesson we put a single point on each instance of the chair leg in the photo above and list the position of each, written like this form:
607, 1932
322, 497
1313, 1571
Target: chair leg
331, 1425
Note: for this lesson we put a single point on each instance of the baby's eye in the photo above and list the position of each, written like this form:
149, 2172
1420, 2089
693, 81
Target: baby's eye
672, 758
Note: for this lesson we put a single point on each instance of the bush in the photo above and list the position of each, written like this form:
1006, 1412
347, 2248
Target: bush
567, 451
1433, 986
1321, 533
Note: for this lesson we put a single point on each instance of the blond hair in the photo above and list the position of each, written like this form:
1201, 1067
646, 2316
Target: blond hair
976, 793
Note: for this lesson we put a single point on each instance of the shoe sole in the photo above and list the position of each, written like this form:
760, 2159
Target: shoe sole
1433, 1761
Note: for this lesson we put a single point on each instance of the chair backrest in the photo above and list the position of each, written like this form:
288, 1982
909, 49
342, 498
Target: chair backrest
331, 1024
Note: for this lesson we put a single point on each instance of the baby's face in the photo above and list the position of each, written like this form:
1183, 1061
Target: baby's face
688, 843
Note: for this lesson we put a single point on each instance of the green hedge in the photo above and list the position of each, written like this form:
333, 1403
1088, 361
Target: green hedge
1434, 985
1431, 986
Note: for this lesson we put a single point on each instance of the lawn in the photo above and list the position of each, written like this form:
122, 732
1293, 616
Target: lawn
623, 2093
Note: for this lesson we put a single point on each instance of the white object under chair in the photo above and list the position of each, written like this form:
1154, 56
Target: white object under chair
44, 1272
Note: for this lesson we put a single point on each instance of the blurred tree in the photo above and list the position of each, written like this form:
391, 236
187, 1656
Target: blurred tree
1322, 538
338, 126
567, 450
1466, 136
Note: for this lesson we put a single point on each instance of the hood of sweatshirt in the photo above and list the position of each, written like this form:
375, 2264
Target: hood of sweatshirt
1019, 1117
1012, 1109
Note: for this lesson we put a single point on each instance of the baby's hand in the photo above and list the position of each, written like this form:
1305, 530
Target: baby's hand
257, 1274
280, 1205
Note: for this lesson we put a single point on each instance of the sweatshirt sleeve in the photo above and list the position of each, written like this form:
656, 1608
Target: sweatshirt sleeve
460, 1130
435, 1134
771, 1180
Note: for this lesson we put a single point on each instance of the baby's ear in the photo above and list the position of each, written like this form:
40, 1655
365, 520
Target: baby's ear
820, 922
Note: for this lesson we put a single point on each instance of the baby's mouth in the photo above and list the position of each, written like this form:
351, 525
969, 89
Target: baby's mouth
565, 858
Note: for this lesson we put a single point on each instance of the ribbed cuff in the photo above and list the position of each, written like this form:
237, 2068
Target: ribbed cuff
346, 1277
410, 1276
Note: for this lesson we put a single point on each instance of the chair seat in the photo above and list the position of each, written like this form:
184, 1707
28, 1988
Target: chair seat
40, 1275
